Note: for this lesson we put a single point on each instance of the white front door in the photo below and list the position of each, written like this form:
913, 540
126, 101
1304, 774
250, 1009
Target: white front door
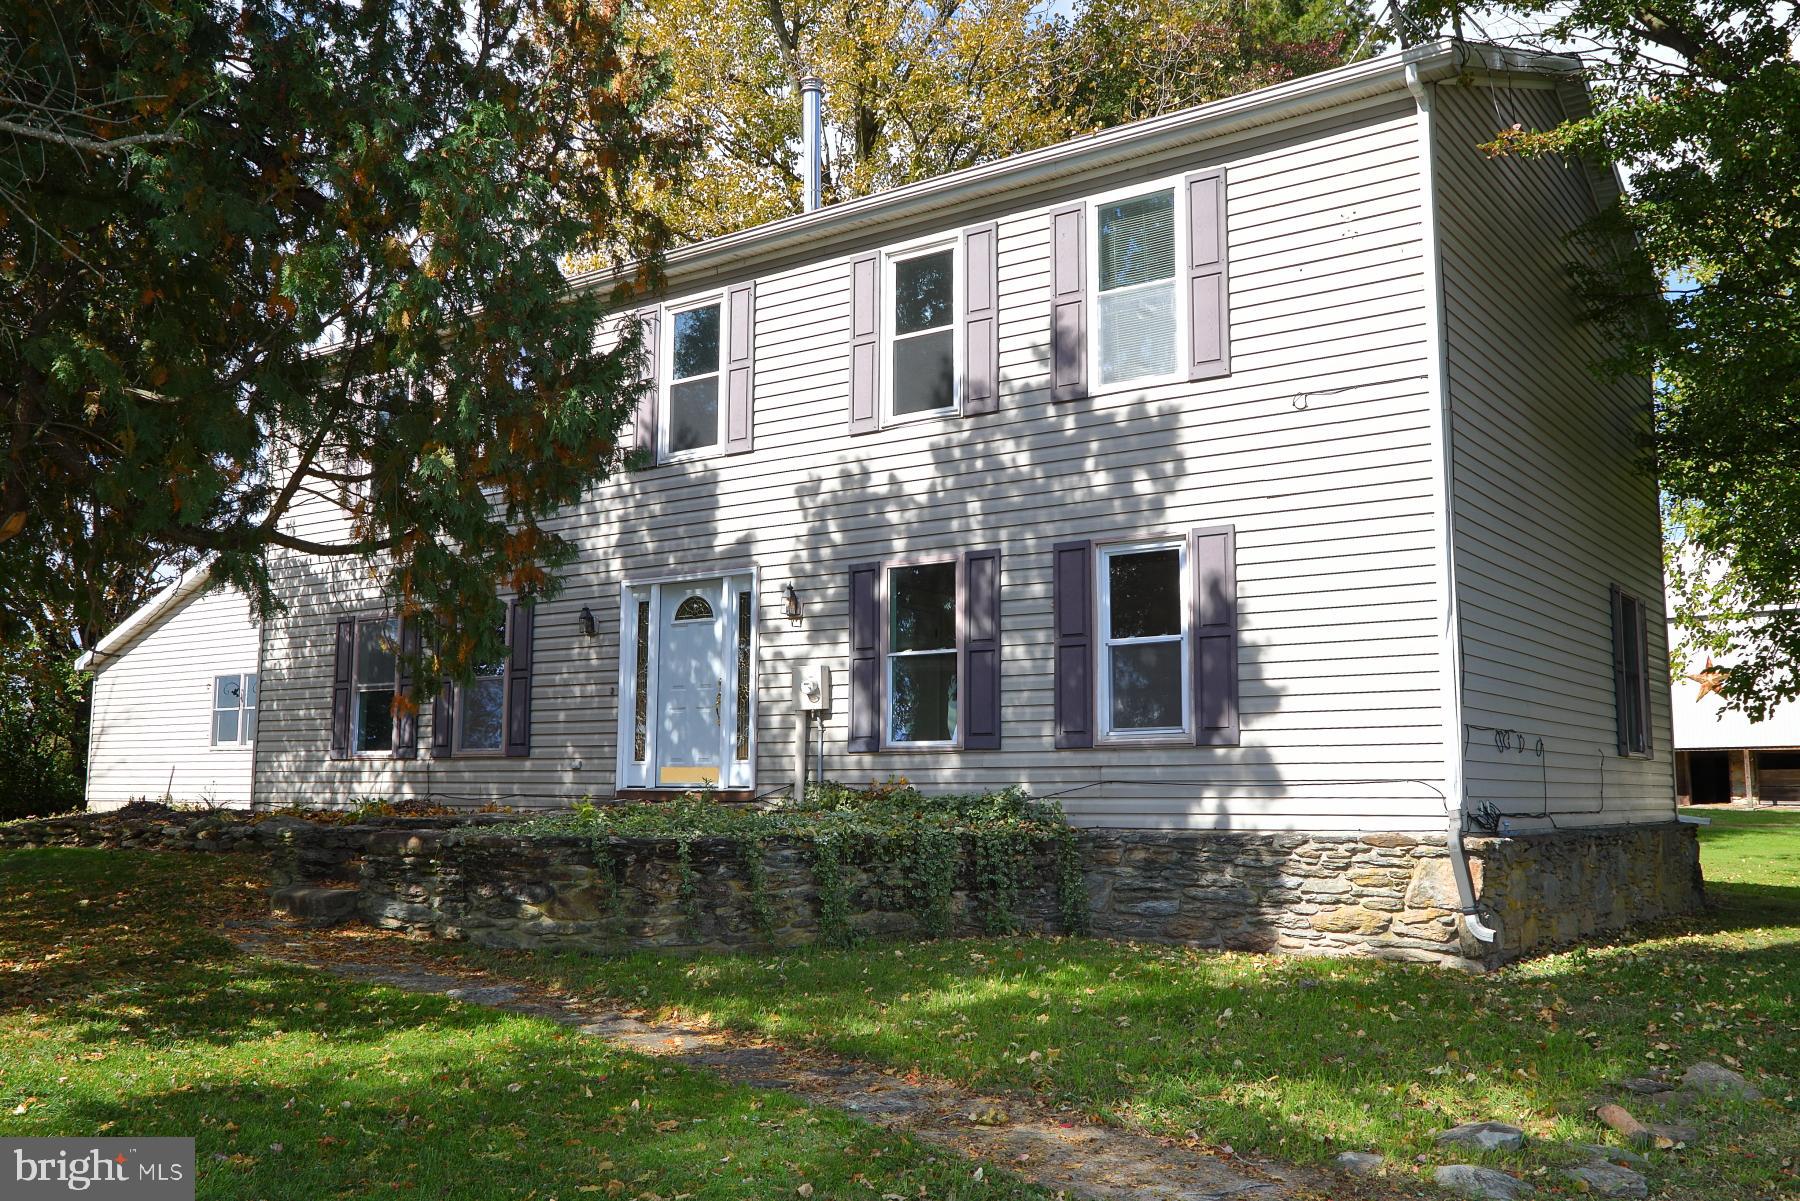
690, 685
687, 684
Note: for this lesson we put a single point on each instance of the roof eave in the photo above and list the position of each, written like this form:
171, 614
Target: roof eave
185, 585
818, 233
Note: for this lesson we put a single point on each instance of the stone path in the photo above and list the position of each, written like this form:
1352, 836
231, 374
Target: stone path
1086, 1161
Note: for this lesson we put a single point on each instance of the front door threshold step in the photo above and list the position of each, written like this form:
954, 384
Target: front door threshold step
316, 905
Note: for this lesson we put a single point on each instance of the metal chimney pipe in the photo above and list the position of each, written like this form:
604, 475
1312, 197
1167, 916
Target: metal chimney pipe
812, 140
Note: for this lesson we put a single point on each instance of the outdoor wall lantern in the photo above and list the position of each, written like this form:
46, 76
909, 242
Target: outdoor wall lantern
790, 603
587, 621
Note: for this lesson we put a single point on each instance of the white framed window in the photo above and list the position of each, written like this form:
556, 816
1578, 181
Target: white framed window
1144, 605
372, 681
1137, 240
921, 358
920, 653
481, 705
234, 710
691, 415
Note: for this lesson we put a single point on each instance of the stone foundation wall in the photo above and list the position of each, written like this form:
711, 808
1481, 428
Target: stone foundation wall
1391, 896
634, 894
1548, 890
1386, 895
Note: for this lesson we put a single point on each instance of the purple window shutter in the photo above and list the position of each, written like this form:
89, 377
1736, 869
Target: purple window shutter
865, 345
981, 321
740, 367
1209, 303
443, 720
1073, 599
981, 651
518, 679
1068, 303
406, 716
1215, 624
1642, 634
651, 391
865, 659
344, 657
1621, 692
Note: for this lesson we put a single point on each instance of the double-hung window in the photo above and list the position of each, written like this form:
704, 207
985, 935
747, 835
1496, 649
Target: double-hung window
691, 412
372, 683
921, 365
1137, 242
234, 710
1144, 639
922, 655
481, 706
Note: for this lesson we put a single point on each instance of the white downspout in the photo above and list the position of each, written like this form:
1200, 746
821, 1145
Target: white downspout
1450, 637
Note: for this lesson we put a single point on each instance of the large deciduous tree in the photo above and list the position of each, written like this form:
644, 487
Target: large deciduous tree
256, 250
1700, 101
916, 88
1123, 60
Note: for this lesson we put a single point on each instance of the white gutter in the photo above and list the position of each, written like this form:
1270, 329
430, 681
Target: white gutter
1450, 634
185, 585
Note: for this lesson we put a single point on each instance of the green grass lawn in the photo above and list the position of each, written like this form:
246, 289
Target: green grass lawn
1302, 1058
123, 1013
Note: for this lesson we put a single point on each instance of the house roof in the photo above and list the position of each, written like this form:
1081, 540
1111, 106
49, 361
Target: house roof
110, 647
821, 232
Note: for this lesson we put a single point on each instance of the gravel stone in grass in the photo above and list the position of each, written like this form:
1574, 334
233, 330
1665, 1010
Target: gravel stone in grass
1609, 1180
1358, 1163
1484, 1136
1484, 1184
1706, 1077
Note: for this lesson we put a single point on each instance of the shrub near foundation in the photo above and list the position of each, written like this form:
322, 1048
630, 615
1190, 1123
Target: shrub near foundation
980, 843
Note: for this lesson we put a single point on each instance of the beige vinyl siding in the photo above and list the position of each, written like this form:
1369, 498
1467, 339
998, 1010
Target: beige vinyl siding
152, 716
1550, 503
1317, 448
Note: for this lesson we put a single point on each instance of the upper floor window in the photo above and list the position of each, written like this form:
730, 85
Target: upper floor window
690, 409
1144, 639
1138, 307
234, 710
921, 333
372, 683
921, 655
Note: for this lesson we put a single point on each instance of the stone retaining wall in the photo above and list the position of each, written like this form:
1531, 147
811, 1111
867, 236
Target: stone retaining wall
499, 890
1387, 895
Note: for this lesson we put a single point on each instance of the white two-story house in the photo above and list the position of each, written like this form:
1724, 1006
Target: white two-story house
1240, 469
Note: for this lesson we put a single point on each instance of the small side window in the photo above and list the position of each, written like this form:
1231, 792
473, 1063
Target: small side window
233, 710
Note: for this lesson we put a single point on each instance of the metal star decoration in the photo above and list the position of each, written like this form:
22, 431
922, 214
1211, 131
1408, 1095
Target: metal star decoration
1711, 680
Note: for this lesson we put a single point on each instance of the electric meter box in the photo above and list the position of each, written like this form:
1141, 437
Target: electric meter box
812, 688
